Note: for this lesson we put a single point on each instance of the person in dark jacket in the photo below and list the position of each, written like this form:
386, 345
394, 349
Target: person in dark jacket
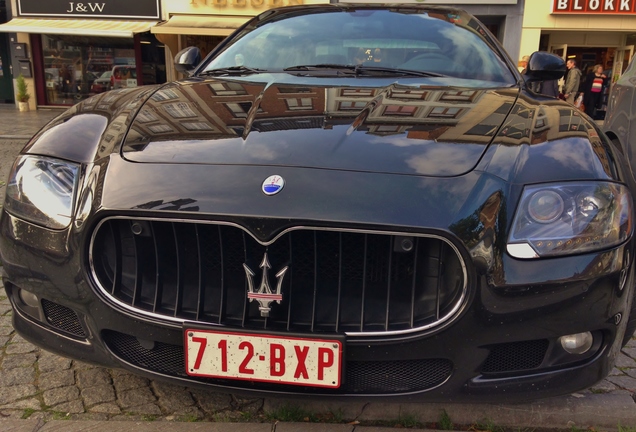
593, 90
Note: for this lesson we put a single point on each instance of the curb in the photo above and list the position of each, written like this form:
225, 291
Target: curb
587, 410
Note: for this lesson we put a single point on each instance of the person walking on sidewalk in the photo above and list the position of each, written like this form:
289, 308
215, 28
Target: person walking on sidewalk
572, 82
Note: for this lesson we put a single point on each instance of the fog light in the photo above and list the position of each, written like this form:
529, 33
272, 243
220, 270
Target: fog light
579, 343
29, 299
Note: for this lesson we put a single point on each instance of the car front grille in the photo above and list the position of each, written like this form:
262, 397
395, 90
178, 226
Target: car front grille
361, 377
337, 281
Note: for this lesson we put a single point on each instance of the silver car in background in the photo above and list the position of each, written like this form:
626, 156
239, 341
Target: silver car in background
621, 111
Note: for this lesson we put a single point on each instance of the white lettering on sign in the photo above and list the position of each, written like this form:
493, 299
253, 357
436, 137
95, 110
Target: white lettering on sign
85, 7
594, 6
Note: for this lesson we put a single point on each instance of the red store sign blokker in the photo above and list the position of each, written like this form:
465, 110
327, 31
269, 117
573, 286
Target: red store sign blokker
610, 7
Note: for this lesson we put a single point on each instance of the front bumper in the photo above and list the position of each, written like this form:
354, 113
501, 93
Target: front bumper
502, 344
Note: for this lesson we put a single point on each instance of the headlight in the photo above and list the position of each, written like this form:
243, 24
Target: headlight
570, 218
42, 190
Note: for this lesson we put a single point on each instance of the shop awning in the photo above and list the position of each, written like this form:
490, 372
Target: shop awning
209, 25
82, 27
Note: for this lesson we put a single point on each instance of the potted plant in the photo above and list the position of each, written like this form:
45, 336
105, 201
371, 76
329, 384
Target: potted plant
22, 94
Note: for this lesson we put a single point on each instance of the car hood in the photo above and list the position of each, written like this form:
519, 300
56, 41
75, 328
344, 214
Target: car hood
433, 130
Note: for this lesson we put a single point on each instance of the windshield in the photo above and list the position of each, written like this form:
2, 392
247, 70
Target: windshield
449, 44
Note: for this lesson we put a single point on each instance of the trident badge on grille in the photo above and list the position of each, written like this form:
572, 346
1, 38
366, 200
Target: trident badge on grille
264, 294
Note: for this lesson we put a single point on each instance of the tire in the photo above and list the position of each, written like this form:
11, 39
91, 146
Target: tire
631, 319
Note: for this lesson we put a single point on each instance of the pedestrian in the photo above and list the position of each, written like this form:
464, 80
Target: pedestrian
572, 82
593, 90
523, 64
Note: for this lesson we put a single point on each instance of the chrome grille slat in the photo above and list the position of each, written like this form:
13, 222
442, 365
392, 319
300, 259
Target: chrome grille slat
388, 289
414, 282
200, 292
158, 272
339, 281
364, 283
223, 285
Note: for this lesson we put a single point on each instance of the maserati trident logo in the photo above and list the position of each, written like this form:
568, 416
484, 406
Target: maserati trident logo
264, 294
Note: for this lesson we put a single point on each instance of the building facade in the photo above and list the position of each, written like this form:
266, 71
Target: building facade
503, 18
590, 32
6, 82
205, 23
68, 51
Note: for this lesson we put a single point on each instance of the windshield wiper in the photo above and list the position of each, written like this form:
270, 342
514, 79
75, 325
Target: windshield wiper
319, 66
363, 70
232, 70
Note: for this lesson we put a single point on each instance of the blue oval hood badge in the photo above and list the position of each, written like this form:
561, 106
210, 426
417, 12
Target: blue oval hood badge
273, 184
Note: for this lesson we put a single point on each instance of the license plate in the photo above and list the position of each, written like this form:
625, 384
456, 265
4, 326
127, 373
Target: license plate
265, 358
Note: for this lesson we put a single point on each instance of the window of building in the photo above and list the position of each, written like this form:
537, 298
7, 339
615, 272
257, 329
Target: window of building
299, 104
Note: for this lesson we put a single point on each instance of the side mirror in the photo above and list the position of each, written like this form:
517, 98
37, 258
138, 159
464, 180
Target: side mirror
187, 59
544, 66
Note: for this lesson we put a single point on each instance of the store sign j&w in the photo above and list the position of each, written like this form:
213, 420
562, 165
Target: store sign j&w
137, 9
604, 7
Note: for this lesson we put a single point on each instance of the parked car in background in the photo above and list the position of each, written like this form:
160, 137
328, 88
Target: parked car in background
123, 77
341, 201
102, 83
621, 112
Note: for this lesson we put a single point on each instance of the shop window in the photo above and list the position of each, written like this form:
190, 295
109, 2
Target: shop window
77, 67
204, 43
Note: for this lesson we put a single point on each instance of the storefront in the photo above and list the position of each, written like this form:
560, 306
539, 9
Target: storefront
74, 50
502, 17
592, 32
205, 23
6, 87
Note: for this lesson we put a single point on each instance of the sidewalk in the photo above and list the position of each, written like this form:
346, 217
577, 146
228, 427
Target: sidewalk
22, 125
40, 391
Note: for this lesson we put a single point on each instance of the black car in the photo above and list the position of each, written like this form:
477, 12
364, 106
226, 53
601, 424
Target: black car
340, 201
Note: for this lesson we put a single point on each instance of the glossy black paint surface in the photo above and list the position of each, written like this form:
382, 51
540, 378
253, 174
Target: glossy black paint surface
439, 157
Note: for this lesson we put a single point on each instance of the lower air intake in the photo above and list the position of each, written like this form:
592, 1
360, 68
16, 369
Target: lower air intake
373, 377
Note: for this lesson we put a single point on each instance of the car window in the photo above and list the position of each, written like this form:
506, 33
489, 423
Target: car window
451, 45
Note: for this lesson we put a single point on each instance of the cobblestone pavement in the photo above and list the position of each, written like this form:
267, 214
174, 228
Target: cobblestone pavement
36, 384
